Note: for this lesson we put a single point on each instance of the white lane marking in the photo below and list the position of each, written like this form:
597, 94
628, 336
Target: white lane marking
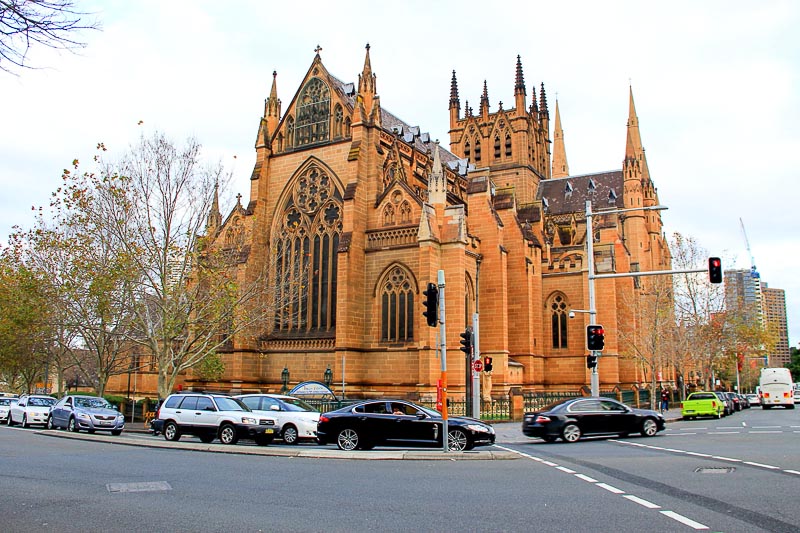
610, 488
762, 465
640, 501
687, 429
794, 426
565, 469
698, 454
678, 434
722, 432
792, 472
673, 450
589, 479
548, 463
766, 427
765, 431
728, 427
683, 520
726, 458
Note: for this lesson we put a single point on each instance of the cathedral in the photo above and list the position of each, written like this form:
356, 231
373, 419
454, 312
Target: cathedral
353, 212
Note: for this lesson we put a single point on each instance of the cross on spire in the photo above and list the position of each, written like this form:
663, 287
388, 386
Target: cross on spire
318, 49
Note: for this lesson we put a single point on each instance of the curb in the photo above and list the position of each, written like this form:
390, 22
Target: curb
311, 453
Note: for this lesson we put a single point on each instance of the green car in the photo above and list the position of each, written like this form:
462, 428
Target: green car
702, 404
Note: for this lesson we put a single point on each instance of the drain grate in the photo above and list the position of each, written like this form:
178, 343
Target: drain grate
714, 470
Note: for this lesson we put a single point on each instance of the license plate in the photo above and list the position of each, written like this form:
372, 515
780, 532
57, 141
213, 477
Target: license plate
268, 431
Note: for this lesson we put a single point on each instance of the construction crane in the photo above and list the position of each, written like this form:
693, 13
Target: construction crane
750, 253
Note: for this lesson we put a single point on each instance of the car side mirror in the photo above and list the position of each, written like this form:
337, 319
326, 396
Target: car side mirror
421, 416
274, 408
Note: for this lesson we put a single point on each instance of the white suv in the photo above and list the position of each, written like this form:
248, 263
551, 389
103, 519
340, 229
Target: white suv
210, 416
297, 419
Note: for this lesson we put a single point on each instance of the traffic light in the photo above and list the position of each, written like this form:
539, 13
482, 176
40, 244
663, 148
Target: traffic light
591, 361
487, 364
431, 304
466, 342
595, 337
714, 270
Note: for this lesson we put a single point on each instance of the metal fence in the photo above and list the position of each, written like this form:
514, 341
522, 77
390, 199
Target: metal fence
535, 401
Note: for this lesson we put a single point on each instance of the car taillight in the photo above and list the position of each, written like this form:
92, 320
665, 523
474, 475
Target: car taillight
713, 404
324, 419
785, 394
542, 419
681, 405
766, 395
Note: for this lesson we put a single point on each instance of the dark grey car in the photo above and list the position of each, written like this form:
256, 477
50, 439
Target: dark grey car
89, 413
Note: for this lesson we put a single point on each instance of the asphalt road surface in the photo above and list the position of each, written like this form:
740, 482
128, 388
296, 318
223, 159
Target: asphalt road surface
738, 474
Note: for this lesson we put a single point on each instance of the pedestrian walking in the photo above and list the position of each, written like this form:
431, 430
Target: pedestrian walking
664, 400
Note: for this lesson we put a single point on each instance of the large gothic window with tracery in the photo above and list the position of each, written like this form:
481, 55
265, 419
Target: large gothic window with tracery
559, 311
397, 306
305, 244
313, 113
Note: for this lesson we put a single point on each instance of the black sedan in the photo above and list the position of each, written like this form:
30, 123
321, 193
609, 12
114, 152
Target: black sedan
398, 423
570, 419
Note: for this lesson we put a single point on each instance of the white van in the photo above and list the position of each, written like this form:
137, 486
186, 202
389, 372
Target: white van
776, 388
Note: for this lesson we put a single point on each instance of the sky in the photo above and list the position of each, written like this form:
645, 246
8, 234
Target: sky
715, 85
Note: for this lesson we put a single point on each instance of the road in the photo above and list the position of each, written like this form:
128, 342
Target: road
738, 474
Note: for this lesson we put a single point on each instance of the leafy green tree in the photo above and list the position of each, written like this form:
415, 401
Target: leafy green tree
794, 365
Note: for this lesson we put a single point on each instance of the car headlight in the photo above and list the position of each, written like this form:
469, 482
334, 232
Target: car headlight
82, 416
248, 420
479, 428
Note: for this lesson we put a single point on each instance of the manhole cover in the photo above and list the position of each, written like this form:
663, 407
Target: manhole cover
714, 470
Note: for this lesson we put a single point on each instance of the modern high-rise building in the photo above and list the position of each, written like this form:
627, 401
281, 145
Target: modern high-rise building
775, 314
743, 291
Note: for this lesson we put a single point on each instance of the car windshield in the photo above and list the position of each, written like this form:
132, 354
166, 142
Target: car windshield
296, 404
230, 404
41, 402
5, 401
92, 403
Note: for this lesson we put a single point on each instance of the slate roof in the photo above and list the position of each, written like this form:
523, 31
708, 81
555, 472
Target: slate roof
569, 195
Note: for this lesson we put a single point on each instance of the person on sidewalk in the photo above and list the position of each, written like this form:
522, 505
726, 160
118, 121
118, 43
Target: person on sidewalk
664, 400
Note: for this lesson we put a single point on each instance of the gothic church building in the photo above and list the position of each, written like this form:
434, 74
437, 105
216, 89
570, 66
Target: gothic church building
355, 212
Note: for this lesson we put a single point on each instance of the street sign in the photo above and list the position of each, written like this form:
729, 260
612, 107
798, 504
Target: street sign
477, 366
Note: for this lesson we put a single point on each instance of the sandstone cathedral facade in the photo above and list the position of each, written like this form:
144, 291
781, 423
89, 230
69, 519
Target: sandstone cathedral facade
355, 212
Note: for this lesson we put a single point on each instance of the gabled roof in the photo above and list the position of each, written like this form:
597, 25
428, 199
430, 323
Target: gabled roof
569, 195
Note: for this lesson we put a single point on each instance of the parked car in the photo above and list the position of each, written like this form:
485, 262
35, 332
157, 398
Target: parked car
702, 404
5, 407
296, 419
723, 396
210, 416
90, 413
31, 409
754, 399
573, 418
796, 395
744, 401
371, 423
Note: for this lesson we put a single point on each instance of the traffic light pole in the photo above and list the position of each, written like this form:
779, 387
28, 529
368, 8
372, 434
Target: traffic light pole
443, 355
595, 377
476, 376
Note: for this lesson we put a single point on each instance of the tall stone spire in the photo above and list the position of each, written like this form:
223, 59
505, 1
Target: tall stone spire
560, 165
519, 88
214, 216
484, 109
272, 108
437, 188
543, 102
367, 98
633, 147
455, 103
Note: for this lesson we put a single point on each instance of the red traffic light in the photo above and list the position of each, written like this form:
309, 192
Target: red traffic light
714, 270
595, 337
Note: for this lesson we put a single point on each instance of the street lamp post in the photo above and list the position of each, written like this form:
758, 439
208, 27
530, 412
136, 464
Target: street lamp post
328, 379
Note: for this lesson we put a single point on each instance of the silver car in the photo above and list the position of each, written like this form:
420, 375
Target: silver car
89, 413
296, 419
31, 409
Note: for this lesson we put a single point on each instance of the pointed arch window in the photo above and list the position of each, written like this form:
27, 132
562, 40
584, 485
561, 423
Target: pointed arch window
559, 311
497, 147
467, 153
388, 215
338, 119
307, 233
405, 212
397, 306
508, 145
313, 112
290, 132
477, 150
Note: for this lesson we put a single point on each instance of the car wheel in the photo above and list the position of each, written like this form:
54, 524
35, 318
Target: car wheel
10, 421
687, 417
50, 423
171, 431
457, 441
72, 425
24, 420
549, 438
90, 430
649, 427
290, 434
571, 433
227, 434
206, 438
116, 432
347, 439
262, 440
